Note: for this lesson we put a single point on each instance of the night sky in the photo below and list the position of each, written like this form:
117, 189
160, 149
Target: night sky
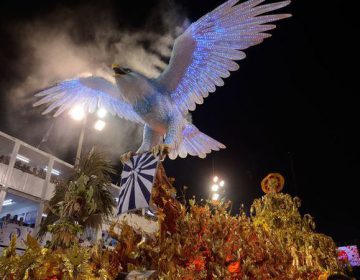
291, 108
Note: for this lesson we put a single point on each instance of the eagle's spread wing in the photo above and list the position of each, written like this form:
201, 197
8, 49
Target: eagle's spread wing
90, 93
204, 53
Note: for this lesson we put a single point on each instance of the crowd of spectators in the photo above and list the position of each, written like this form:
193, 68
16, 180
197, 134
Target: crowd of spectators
15, 220
24, 167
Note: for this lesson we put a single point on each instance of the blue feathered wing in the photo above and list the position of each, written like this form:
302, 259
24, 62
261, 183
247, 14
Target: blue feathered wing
90, 93
204, 54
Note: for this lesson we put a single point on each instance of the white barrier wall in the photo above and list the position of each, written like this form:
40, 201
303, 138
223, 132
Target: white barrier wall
7, 231
139, 222
27, 183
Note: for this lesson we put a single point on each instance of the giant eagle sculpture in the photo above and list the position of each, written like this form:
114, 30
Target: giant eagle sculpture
202, 56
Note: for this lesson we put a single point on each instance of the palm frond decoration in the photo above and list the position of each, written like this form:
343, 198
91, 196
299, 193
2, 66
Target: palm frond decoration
85, 198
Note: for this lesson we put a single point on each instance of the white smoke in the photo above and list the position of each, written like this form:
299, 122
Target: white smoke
54, 53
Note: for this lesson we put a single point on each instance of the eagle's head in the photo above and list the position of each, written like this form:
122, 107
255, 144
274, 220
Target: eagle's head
131, 84
120, 71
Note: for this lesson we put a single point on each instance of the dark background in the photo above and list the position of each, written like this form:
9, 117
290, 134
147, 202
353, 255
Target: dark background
291, 108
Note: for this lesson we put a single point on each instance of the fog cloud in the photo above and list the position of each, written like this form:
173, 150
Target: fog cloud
60, 46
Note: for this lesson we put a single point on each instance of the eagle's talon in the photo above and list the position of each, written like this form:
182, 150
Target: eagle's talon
164, 149
155, 150
127, 156
161, 149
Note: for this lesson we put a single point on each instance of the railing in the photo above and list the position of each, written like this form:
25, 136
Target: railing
31, 172
27, 169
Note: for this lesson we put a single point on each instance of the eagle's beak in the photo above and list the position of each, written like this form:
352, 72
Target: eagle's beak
118, 70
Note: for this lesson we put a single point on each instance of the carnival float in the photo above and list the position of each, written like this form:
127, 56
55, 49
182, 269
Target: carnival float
192, 240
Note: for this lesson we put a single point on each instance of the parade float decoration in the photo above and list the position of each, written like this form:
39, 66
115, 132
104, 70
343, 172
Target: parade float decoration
204, 241
277, 213
193, 241
137, 180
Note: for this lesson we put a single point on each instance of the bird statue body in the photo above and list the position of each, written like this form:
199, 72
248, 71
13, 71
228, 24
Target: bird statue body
202, 56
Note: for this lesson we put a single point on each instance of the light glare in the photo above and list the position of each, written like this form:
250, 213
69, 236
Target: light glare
215, 196
215, 179
99, 125
22, 158
101, 113
215, 187
222, 183
8, 202
77, 113
53, 171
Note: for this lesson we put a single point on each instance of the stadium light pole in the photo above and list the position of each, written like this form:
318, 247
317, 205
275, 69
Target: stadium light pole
81, 140
78, 113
